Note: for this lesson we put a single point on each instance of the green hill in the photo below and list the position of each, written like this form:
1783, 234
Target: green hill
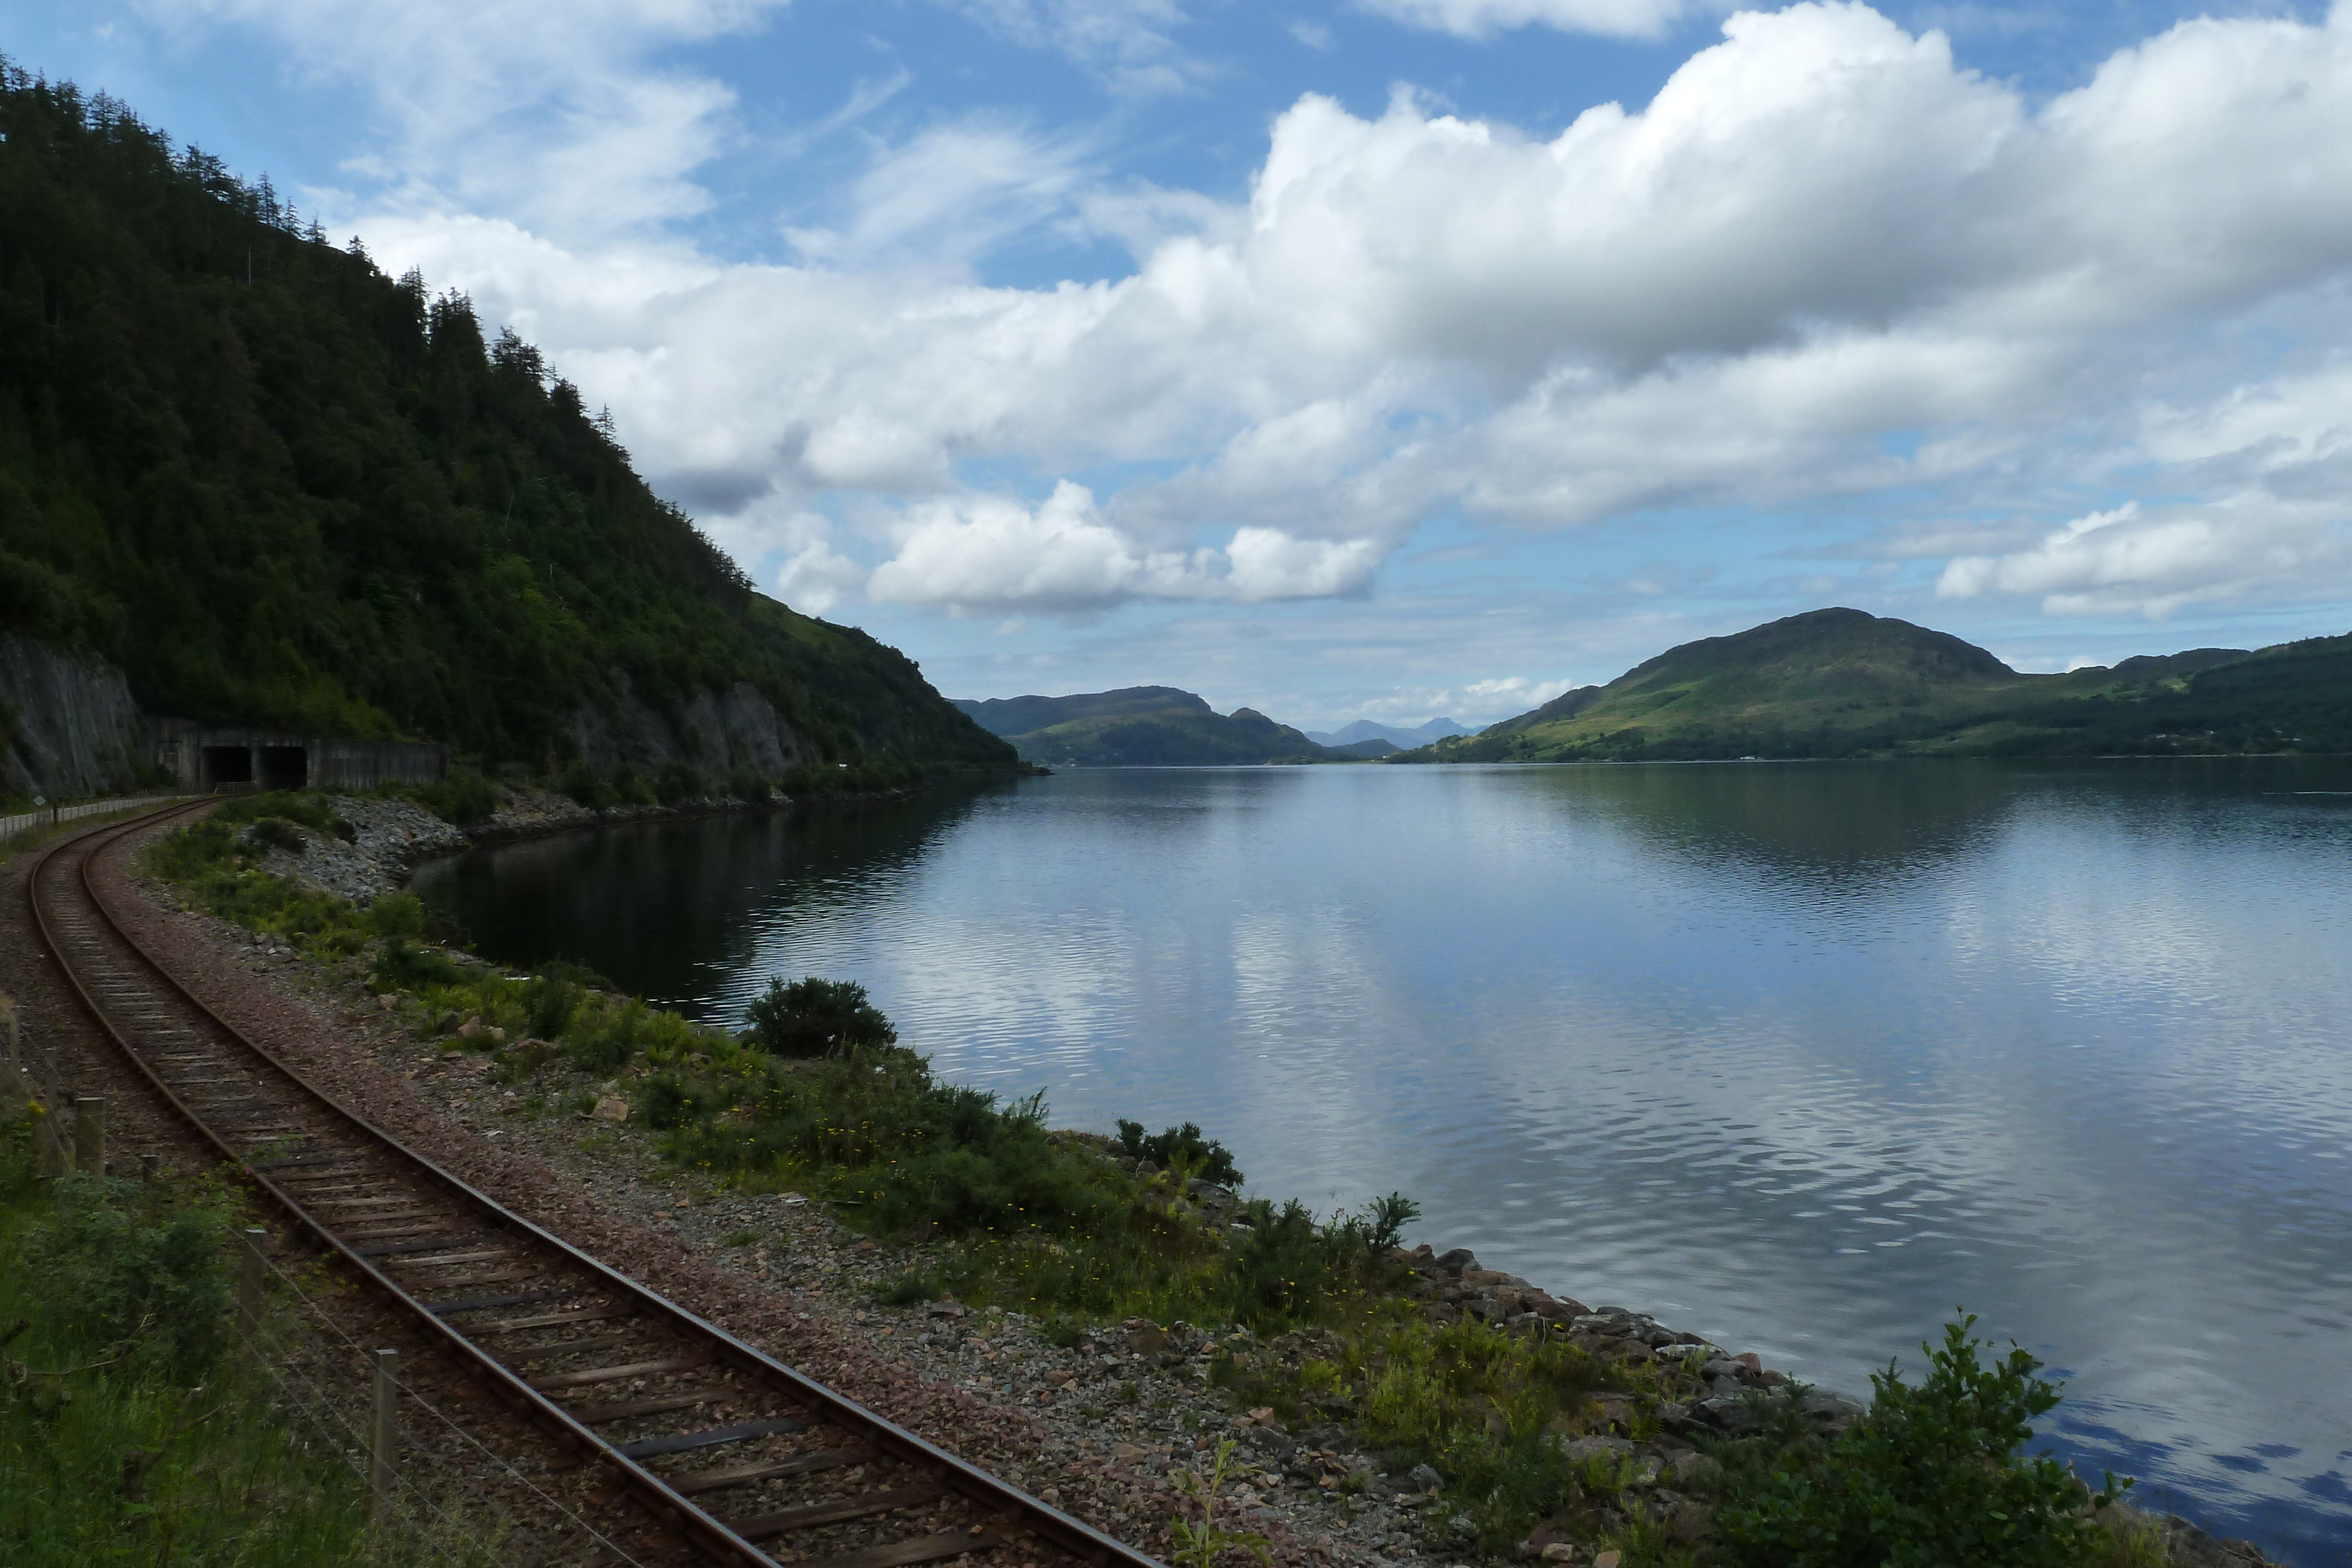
1138, 726
1840, 683
274, 486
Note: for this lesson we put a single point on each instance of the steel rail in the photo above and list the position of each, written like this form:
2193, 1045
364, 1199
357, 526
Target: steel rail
668, 1505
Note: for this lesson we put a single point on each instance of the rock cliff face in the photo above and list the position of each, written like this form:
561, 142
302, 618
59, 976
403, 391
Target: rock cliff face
69, 724
716, 731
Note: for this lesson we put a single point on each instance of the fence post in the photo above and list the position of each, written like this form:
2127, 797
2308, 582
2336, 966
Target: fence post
57, 1160
383, 1434
248, 1300
89, 1135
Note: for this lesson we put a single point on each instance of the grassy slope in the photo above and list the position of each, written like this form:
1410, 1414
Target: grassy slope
275, 486
1839, 683
1138, 726
115, 1299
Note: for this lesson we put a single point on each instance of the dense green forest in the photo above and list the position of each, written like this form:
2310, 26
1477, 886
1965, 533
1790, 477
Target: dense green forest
1140, 726
1841, 683
275, 486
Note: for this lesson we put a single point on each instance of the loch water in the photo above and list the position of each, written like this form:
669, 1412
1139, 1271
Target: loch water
1798, 1056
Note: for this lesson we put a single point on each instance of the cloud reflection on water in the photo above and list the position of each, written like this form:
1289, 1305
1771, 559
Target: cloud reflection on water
1798, 1056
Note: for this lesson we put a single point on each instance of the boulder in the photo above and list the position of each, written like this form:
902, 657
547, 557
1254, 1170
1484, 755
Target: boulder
1695, 1469
1833, 1411
1692, 1521
1595, 1447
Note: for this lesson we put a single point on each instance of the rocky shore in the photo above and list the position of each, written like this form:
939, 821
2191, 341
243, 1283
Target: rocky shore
392, 836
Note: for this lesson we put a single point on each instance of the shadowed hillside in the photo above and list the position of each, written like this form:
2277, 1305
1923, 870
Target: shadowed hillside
1138, 726
274, 486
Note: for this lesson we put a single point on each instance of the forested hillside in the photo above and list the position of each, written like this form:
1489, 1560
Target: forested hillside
277, 487
1840, 683
1139, 726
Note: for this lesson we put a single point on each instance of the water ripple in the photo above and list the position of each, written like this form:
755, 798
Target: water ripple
1797, 1057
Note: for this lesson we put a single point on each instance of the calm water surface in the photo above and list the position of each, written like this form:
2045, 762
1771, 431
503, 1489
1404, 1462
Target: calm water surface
1796, 1056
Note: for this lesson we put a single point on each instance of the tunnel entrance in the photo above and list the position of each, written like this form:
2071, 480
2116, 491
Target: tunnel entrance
285, 767
226, 765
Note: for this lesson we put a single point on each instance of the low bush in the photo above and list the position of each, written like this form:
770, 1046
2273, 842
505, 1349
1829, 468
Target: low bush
464, 797
278, 833
814, 1017
680, 780
908, 1289
397, 916
222, 873
549, 1005
586, 786
629, 787
314, 812
402, 965
1932, 1479
1185, 1148
128, 1434
745, 785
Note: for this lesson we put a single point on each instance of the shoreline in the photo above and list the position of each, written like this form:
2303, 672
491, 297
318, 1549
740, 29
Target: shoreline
1727, 1395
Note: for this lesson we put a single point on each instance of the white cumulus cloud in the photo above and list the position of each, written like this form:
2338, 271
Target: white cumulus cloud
1825, 261
992, 551
1484, 18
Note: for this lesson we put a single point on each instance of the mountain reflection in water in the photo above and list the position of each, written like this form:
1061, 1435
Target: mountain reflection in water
1797, 1056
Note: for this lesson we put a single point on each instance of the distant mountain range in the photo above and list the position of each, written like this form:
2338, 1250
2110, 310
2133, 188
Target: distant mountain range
1828, 683
1403, 740
1841, 683
1138, 726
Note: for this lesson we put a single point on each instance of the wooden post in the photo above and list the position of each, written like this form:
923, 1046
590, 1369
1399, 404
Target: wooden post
248, 1300
383, 1434
56, 1159
89, 1135
15, 1082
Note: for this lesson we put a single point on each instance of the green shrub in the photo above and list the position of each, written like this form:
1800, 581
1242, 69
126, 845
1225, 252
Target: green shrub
402, 965
396, 916
629, 787
127, 1435
743, 784
550, 1005
813, 1016
158, 1282
586, 786
314, 812
680, 780
810, 780
908, 1290
580, 975
607, 1037
465, 798
1184, 1147
208, 859
278, 833
1931, 1479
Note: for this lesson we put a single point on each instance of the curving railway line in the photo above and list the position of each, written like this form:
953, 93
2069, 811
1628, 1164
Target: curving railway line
738, 1454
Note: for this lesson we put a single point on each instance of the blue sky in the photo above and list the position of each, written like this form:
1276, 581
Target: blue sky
1361, 359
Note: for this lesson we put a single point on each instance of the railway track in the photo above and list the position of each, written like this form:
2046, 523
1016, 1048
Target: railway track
747, 1460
